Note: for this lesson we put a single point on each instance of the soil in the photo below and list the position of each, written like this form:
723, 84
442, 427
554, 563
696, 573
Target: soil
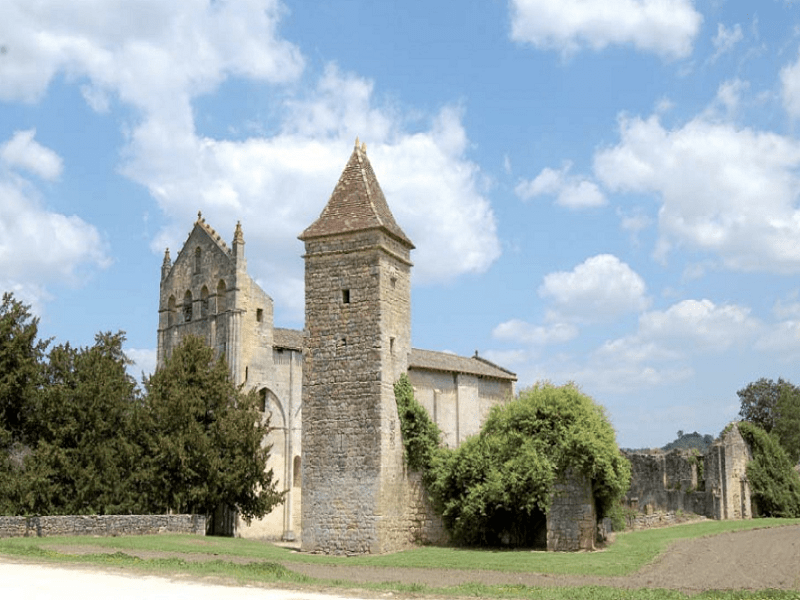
746, 560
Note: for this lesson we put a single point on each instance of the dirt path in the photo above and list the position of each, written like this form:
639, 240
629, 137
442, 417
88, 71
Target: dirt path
746, 560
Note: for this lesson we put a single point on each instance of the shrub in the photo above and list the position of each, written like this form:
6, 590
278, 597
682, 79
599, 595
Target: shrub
774, 484
497, 486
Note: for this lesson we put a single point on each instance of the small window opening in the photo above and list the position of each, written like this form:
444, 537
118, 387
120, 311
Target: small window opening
346, 296
296, 472
262, 397
259, 314
393, 281
391, 345
187, 306
197, 261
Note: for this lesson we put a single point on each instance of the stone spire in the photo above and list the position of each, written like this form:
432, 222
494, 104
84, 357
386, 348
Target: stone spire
238, 244
166, 265
357, 203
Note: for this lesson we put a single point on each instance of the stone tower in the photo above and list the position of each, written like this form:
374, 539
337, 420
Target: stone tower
358, 323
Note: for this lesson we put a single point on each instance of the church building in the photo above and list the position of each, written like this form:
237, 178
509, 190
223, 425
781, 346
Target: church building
336, 443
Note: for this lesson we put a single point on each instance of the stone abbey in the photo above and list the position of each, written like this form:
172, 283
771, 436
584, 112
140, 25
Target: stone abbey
337, 447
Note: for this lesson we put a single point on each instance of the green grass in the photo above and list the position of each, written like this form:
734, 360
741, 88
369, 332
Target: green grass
630, 552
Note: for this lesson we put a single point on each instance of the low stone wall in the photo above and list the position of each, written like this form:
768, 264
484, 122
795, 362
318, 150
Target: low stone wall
101, 525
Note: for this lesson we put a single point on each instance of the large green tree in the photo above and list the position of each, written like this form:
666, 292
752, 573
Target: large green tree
205, 438
498, 484
86, 455
775, 408
21, 358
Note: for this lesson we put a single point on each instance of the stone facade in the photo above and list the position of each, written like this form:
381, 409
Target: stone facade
101, 525
664, 483
341, 368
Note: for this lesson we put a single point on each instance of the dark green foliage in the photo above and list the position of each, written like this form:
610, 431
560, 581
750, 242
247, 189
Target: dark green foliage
21, 355
496, 487
774, 484
205, 439
85, 456
421, 436
775, 408
690, 441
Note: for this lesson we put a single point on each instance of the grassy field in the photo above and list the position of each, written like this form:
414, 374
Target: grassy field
630, 552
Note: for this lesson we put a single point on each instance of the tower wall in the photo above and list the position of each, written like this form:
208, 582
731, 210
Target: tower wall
358, 342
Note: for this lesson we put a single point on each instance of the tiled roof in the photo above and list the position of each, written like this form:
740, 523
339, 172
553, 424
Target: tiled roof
452, 363
357, 203
291, 339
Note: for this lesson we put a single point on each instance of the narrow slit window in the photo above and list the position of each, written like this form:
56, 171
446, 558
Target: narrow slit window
345, 296
259, 314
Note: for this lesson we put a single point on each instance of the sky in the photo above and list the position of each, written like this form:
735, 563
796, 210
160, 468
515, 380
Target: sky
600, 191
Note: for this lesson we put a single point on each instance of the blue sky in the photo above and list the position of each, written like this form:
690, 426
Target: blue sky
602, 191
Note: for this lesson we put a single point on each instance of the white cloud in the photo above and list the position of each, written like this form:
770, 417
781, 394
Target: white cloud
665, 27
790, 88
39, 247
22, 151
700, 325
144, 361
166, 51
573, 192
169, 53
723, 189
659, 352
516, 330
600, 288
725, 40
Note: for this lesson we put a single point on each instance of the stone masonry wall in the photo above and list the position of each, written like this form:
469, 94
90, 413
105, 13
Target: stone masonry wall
572, 519
357, 338
671, 482
102, 525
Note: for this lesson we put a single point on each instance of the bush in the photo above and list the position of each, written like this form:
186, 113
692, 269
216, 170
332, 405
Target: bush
497, 486
774, 484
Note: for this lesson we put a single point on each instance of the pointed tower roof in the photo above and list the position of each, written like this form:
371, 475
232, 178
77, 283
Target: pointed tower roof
357, 203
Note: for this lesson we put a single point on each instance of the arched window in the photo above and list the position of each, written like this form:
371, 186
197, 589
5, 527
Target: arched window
171, 309
197, 261
187, 306
221, 289
204, 302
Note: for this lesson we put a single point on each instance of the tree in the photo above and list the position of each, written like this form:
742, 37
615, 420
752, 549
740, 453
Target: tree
774, 484
775, 408
86, 457
205, 439
499, 483
21, 355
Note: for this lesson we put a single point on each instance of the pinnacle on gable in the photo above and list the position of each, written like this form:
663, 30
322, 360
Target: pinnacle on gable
357, 203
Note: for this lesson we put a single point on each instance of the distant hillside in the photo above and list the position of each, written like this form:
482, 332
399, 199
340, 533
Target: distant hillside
690, 441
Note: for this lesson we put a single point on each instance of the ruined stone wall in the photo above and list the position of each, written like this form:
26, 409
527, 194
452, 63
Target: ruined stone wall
102, 525
665, 482
671, 482
572, 518
726, 477
358, 342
